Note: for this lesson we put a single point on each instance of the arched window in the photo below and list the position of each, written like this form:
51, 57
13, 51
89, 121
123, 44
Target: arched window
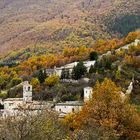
59, 110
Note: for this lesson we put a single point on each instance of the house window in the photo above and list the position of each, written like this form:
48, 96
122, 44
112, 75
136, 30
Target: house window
10, 104
28, 88
59, 110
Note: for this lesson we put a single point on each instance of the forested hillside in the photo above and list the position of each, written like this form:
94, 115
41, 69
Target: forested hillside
56, 24
50, 50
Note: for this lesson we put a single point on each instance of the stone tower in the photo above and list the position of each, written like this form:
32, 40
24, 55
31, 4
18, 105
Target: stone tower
87, 93
27, 92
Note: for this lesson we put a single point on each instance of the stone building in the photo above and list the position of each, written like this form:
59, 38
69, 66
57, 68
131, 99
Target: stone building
73, 106
68, 107
58, 70
16, 106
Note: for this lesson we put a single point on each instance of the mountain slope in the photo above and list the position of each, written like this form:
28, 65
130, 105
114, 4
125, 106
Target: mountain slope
55, 24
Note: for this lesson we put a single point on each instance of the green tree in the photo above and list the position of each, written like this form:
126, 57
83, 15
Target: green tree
93, 56
79, 70
65, 74
15, 81
42, 76
118, 75
2, 82
92, 69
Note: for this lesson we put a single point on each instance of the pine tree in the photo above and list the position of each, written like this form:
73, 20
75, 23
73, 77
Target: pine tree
65, 74
42, 76
93, 56
79, 71
91, 70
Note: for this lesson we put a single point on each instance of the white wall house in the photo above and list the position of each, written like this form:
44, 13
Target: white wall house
88, 93
68, 107
12, 104
15, 106
73, 106
58, 70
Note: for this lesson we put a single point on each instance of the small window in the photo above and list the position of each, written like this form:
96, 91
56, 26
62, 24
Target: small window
10, 104
29, 88
59, 110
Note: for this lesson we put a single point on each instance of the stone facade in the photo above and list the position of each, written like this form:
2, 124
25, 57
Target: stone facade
58, 70
73, 106
18, 106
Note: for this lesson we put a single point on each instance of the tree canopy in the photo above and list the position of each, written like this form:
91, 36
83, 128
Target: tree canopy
108, 113
78, 71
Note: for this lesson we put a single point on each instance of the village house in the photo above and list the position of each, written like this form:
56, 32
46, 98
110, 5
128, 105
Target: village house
74, 106
12, 106
18, 106
58, 70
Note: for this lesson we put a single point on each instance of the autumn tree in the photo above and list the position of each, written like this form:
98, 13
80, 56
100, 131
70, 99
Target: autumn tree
52, 80
131, 37
14, 82
35, 83
118, 75
108, 113
41, 126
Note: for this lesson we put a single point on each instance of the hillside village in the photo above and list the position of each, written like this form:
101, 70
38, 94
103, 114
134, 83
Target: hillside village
69, 69
14, 106
88, 64
79, 91
19, 106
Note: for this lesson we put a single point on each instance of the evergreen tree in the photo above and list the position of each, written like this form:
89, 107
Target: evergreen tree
42, 76
65, 74
93, 56
92, 69
79, 71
